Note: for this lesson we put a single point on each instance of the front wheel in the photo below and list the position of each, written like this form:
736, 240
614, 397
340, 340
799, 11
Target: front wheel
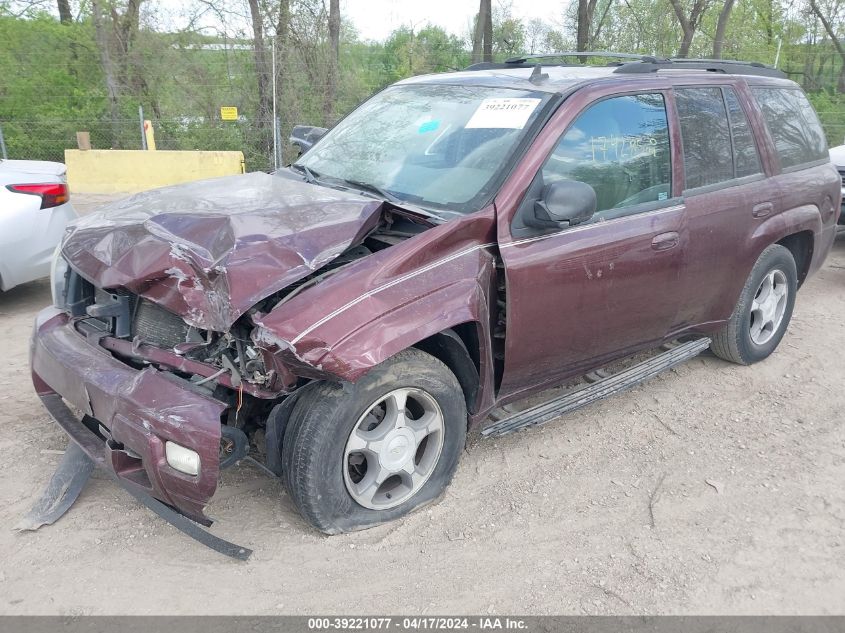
357, 455
762, 314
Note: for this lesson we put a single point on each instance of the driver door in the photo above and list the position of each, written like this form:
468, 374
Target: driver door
580, 296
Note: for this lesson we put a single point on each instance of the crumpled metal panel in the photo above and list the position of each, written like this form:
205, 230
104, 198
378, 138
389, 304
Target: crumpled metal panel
209, 250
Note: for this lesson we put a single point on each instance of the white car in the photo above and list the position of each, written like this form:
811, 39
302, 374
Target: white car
837, 157
34, 210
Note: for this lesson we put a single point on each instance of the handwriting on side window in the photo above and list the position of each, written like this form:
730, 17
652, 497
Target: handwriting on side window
613, 147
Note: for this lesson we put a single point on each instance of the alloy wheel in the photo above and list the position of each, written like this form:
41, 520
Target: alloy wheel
393, 448
768, 307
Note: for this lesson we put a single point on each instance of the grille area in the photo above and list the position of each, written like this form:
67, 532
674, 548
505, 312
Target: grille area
842, 176
156, 326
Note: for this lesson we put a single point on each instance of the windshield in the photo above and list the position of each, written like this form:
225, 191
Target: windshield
437, 146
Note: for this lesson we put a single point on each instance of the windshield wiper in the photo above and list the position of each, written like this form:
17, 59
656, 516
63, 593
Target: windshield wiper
310, 176
315, 178
363, 187
379, 191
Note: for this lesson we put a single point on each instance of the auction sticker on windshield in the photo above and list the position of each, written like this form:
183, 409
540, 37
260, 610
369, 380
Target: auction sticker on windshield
507, 112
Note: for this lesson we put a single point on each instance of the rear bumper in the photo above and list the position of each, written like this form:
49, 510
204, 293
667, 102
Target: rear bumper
140, 410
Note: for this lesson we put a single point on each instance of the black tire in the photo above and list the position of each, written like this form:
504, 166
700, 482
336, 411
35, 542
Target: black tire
733, 342
321, 423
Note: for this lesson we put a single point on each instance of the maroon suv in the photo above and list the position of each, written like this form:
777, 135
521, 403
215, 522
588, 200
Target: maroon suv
458, 242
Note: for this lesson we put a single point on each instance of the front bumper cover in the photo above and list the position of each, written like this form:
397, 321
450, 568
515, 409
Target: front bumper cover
137, 410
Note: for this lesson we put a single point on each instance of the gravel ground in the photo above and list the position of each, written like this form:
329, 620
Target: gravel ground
711, 489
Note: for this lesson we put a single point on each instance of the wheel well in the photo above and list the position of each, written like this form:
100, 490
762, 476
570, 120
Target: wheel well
801, 247
458, 349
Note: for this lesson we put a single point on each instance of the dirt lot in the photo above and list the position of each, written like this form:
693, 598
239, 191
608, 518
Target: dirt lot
711, 489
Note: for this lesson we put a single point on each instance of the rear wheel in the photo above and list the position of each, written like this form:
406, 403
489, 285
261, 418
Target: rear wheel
357, 455
763, 312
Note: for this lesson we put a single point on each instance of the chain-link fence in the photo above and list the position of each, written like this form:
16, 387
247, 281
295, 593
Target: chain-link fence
46, 139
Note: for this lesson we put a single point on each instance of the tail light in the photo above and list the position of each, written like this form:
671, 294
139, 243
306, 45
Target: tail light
52, 195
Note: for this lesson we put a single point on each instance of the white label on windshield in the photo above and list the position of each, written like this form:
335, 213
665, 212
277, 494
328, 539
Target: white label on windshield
503, 113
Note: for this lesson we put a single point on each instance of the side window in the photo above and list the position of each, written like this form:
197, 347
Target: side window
706, 136
793, 124
620, 147
746, 159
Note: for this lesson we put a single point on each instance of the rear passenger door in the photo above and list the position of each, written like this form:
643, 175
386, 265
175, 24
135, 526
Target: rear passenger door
726, 193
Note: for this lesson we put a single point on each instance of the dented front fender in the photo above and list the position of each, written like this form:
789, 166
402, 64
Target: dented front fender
382, 304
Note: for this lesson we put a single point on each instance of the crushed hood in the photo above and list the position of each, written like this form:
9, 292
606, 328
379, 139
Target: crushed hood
210, 250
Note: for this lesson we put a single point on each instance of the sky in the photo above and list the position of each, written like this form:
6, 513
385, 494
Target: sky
375, 19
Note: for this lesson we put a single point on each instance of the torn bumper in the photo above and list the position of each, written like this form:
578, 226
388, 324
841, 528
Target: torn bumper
139, 410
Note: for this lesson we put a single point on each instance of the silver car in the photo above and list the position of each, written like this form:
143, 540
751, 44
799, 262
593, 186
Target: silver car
34, 210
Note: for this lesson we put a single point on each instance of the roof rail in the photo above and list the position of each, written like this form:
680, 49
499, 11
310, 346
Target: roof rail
727, 66
521, 59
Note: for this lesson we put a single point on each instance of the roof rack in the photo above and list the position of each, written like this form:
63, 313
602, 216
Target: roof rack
529, 61
727, 66
521, 59
632, 63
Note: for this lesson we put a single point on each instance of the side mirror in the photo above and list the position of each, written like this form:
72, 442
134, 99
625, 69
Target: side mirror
304, 136
563, 203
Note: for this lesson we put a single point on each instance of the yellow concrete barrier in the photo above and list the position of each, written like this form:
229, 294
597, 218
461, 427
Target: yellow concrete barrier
129, 171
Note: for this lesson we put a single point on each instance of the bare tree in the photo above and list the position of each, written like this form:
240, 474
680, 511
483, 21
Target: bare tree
102, 37
827, 23
65, 15
587, 29
282, 38
482, 39
586, 11
126, 26
689, 23
262, 67
488, 33
334, 56
721, 28
536, 32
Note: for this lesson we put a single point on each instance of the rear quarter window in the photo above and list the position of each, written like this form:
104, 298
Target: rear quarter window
793, 124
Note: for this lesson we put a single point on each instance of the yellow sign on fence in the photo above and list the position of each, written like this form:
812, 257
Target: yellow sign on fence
229, 113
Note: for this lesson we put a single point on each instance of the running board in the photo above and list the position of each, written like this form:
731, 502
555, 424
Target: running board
551, 409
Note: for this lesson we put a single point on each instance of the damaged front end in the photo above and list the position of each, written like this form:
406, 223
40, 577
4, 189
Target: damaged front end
153, 342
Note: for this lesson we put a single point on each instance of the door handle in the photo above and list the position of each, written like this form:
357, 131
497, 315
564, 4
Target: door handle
665, 241
762, 210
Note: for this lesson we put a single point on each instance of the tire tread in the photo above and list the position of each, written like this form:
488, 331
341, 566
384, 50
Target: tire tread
311, 424
726, 342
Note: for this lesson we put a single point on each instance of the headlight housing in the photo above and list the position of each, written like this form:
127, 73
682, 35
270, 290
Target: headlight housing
58, 278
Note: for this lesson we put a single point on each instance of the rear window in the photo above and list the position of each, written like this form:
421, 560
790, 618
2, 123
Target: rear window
793, 124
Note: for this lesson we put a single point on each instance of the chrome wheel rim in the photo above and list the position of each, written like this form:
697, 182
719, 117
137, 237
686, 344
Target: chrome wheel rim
768, 307
393, 448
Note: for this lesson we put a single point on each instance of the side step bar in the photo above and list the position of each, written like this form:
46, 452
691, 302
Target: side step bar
551, 409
